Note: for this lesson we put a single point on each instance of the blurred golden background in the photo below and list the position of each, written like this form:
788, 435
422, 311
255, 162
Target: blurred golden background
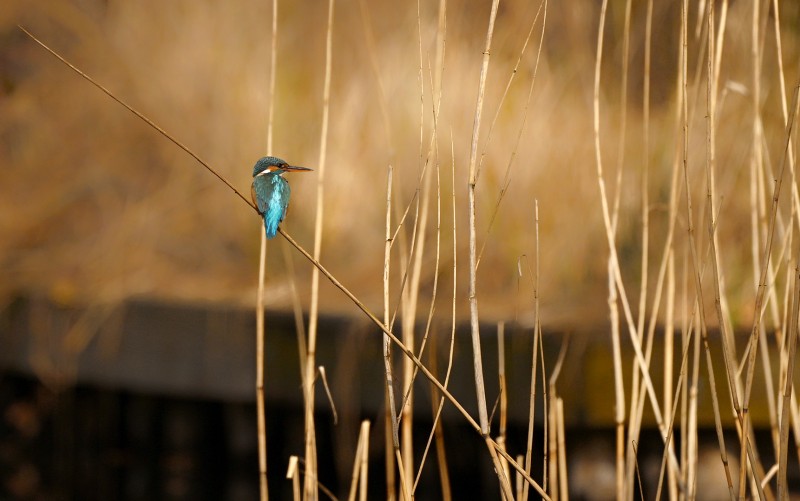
97, 207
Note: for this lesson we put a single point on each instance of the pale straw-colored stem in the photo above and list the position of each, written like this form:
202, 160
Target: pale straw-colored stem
711, 100
563, 487
614, 279
311, 492
501, 375
444, 476
783, 487
609, 226
669, 347
679, 388
762, 285
260, 342
408, 353
260, 400
330, 277
537, 335
542, 10
364, 462
293, 474
473, 298
272, 66
391, 416
358, 479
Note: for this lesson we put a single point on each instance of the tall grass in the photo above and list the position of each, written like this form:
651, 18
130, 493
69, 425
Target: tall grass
677, 203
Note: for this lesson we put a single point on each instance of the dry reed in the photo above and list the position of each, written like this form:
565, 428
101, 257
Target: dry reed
690, 262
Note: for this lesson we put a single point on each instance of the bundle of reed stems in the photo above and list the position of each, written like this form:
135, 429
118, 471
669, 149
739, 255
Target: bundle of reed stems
691, 257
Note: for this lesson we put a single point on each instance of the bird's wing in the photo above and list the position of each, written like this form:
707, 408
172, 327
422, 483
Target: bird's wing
287, 191
260, 193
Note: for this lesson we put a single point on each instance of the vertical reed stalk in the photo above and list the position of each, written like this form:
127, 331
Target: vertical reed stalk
684, 403
609, 227
554, 452
260, 404
293, 474
311, 476
392, 440
795, 414
537, 337
440, 451
672, 412
666, 257
562, 451
685, 153
619, 388
358, 480
501, 374
633, 435
273, 60
636, 395
784, 97
390, 416
619, 391
762, 285
783, 487
692, 437
552, 446
473, 298
436, 429
425, 371
493, 448
260, 400
363, 476
473, 175
669, 343
711, 112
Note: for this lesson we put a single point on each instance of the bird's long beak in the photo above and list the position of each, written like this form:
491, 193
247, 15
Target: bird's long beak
293, 168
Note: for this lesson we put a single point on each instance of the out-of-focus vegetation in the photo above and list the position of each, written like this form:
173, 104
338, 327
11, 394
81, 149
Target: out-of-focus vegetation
95, 206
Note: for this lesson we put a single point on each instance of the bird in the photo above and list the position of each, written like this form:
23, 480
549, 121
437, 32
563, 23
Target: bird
270, 191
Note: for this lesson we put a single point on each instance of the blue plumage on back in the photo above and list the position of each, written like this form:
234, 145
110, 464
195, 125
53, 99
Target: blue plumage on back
272, 199
270, 192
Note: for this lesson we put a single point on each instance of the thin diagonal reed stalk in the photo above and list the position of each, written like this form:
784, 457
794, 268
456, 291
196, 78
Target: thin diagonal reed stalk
762, 286
437, 425
609, 227
494, 449
512, 157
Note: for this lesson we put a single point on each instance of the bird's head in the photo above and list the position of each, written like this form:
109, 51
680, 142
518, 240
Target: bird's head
274, 165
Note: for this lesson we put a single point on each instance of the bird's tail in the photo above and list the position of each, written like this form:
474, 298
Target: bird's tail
271, 227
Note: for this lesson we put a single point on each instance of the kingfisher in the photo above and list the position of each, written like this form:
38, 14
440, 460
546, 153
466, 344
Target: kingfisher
270, 191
